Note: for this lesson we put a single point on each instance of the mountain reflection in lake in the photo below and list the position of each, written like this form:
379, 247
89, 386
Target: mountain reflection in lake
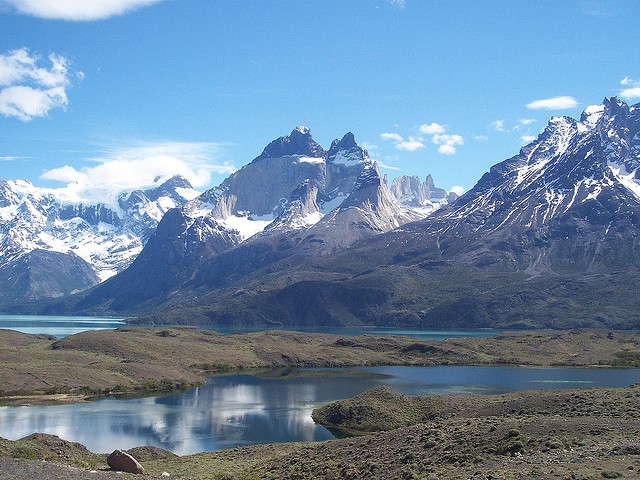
227, 412
237, 410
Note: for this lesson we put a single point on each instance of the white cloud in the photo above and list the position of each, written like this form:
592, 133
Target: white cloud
527, 138
527, 121
391, 136
75, 9
28, 90
555, 103
10, 159
498, 125
432, 129
410, 145
447, 149
138, 167
631, 93
447, 143
481, 137
457, 189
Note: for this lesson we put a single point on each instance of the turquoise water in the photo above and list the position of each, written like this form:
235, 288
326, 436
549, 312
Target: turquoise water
62, 326
58, 326
237, 410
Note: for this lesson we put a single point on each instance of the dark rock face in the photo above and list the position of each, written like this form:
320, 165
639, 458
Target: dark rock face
123, 462
44, 274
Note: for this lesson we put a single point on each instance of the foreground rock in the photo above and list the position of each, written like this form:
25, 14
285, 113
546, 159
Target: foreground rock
123, 462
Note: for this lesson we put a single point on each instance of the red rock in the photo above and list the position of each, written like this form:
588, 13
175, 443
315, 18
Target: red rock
124, 462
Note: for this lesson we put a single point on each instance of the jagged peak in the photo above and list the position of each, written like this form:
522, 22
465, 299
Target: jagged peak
348, 142
299, 142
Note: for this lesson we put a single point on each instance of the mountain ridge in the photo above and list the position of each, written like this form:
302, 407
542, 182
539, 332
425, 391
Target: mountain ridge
295, 200
525, 248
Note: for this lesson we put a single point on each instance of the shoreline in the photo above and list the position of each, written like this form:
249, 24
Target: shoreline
527, 434
146, 360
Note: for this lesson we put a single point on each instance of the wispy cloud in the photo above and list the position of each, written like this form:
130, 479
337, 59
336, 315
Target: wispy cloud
388, 167
481, 138
633, 90
11, 159
391, 136
79, 10
522, 123
555, 103
527, 138
457, 189
398, 3
141, 166
29, 90
498, 125
597, 8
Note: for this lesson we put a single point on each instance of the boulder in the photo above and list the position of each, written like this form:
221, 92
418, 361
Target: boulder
124, 462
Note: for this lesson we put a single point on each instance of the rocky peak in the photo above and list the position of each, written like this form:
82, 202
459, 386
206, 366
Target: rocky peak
348, 142
299, 142
169, 188
423, 197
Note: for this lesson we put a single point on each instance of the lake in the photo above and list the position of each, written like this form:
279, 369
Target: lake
240, 410
62, 326
58, 326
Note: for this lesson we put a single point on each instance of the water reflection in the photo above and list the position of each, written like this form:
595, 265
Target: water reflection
243, 409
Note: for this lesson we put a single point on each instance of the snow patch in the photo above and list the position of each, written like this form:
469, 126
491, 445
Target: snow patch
246, 226
187, 193
592, 114
311, 160
347, 159
627, 179
332, 204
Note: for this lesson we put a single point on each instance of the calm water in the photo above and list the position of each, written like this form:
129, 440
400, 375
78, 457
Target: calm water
242, 409
59, 326
62, 326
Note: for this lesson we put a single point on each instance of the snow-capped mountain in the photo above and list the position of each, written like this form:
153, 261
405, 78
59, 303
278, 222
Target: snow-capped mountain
547, 238
105, 236
294, 197
566, 198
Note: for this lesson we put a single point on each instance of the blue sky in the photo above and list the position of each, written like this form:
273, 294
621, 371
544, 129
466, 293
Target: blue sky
94, 91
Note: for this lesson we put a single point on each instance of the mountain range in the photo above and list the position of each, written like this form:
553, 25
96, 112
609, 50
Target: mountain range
294, 192
302, 235
52, 244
